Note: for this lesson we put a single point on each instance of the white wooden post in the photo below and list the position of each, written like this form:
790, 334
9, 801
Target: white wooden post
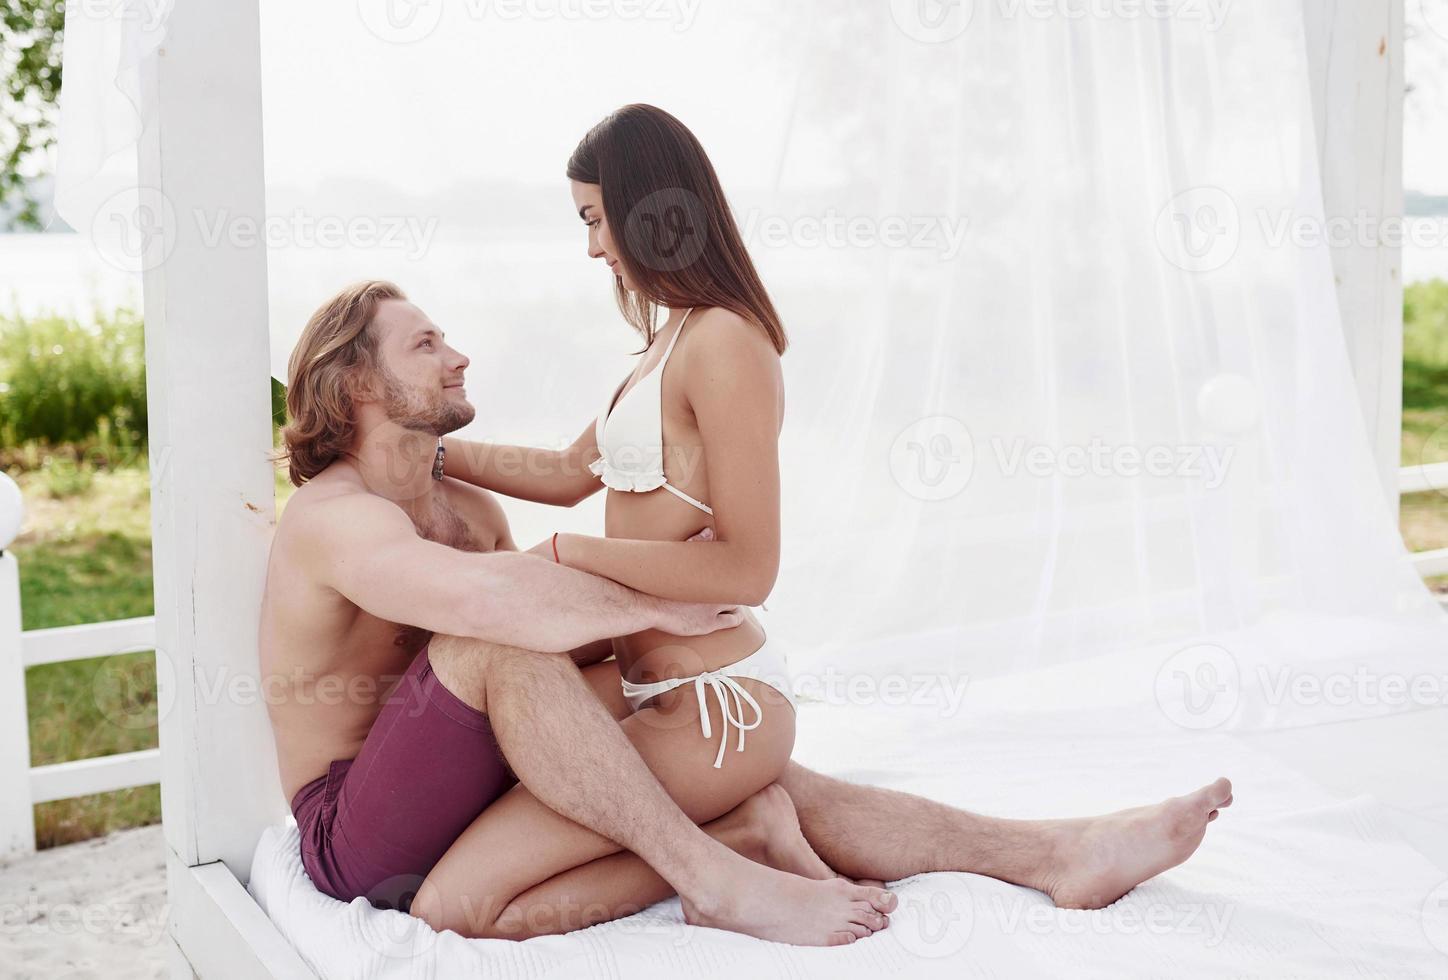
17, 815
1355, 64
208, 371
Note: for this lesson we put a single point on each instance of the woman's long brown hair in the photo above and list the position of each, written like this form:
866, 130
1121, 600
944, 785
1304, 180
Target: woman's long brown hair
671, 226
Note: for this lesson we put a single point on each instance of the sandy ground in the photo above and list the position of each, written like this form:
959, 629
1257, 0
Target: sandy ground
91, 910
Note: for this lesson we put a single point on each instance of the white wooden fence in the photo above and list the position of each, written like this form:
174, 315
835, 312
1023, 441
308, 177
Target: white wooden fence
23, 785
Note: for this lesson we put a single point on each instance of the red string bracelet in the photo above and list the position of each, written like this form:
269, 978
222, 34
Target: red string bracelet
555, 548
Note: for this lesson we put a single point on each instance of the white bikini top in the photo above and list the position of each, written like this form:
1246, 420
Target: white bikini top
630, 434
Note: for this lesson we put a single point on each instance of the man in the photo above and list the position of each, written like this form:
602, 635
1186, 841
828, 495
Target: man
419, 651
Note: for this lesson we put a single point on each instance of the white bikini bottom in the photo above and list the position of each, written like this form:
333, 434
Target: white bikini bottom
767, 665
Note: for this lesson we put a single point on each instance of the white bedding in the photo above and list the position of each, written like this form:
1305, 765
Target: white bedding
1294, 881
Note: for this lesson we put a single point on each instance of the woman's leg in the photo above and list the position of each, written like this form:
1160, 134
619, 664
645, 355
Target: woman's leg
764, 828
479, 886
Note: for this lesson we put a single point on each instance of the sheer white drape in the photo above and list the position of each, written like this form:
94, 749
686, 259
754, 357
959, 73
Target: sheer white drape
107, 46
1136, 354
1067, 375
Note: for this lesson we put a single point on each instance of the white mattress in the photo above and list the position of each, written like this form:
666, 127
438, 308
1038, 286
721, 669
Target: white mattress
1296, 880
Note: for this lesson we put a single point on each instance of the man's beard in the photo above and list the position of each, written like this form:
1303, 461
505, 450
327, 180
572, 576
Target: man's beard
406, 408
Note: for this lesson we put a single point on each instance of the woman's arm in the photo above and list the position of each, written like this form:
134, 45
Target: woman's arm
734, 385
545, 476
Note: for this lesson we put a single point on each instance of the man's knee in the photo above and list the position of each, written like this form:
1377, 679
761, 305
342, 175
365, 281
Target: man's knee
468, 667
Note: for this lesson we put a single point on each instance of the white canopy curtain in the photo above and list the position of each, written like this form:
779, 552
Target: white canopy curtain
1066, 377
1056, 387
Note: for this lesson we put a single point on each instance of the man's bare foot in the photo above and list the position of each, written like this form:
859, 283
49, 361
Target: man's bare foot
748, 897
1097, 860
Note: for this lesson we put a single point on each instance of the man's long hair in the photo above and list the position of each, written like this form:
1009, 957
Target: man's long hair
336, 355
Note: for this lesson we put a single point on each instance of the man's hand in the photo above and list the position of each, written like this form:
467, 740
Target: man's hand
672, 616
697, 618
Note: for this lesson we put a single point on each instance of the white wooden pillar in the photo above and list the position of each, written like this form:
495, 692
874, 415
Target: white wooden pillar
1355, 64
17, 814
207, 366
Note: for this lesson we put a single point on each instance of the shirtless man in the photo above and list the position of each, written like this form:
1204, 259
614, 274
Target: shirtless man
418, 650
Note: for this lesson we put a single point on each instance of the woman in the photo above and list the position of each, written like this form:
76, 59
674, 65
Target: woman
687, 447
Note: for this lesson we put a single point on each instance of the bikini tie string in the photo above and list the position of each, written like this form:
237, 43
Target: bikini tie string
725, 689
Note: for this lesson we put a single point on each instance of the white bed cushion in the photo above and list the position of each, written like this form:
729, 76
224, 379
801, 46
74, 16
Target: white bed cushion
1291, 882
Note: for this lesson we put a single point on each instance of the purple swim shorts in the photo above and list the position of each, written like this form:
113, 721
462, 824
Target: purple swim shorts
375, 825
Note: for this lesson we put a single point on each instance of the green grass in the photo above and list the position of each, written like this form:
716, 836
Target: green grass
85, 557
1425, 373
1424, 516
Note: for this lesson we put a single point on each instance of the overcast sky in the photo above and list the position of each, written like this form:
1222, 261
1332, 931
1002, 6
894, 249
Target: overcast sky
481, 89
491, 94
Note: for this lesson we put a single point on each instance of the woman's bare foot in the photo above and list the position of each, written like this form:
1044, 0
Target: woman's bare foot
765, 827
1096, 860
786, 908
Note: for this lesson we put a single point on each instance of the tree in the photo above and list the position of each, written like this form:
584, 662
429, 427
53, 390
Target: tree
30, 61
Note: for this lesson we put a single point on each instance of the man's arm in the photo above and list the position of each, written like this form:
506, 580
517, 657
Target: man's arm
366, 548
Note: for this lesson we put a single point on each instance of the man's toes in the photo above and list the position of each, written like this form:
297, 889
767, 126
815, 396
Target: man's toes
841, 938
860, 931
1209, 797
